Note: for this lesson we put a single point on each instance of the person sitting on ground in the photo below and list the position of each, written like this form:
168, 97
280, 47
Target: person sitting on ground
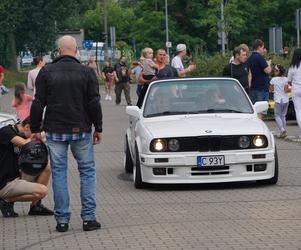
16, 186
149, 68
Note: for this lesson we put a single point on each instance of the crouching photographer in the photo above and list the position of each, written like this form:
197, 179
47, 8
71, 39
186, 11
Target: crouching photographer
24, 170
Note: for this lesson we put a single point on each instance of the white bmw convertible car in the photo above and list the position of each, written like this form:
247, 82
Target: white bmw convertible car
198, 130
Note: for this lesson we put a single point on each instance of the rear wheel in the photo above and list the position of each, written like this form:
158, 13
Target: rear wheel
137, 173
274, 179
127, 161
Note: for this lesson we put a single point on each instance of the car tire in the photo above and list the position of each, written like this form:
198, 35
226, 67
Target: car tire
139, 184
274, 179
127, 161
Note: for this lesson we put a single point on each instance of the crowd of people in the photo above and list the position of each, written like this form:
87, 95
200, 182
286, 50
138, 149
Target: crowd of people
259, 78
66, 105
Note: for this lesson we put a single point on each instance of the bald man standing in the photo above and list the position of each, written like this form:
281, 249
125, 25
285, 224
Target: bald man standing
70, 93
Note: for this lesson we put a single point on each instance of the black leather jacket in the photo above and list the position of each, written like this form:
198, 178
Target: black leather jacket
70, 93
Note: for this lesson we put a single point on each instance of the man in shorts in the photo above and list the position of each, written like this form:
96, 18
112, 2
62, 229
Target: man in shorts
16, 186
260, 70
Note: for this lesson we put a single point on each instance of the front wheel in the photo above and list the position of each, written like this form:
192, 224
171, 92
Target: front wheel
127, 161
274, 179
139, 184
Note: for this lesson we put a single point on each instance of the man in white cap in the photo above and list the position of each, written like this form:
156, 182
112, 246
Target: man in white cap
177, 61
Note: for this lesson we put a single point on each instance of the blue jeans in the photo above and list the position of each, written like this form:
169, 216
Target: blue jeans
83, 152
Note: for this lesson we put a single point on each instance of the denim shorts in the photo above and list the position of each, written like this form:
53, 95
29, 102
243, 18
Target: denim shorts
259, 95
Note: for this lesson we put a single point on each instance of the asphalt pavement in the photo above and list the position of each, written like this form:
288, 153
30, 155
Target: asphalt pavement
223, 216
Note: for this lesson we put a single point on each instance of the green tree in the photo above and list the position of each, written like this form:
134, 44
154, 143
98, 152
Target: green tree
10, 16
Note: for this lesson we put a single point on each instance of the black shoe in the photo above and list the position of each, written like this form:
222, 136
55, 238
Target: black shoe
62, 227
7, 208
39, 209
91, 225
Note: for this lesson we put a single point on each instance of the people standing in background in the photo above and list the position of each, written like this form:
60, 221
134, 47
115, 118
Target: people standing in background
21, 101
136, 71
149, 68
294, 80
164, 72
3, 89
108, 76
122, 80
177, 61
32, 74
238, 68
260, 69
93, 65
167, 64
279, 85
245, 47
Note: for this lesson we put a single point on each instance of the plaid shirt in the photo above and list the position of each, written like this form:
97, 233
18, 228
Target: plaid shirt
65, 137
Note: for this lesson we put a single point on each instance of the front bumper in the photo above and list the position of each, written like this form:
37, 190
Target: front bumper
249, 165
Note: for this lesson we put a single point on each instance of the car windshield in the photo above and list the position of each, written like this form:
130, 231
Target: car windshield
197, 96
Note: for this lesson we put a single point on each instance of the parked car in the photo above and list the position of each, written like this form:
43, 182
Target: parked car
198, 130
27, 59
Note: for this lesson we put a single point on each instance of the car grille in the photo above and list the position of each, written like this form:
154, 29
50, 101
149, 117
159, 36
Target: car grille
209, 143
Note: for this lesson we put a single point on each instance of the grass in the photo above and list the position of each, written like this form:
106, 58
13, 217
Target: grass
12, 77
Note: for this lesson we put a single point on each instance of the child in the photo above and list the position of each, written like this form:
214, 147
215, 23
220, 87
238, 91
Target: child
107, 74
21, 101
149, 67
279, 85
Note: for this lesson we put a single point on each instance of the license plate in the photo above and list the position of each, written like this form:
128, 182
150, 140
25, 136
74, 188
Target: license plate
208, 161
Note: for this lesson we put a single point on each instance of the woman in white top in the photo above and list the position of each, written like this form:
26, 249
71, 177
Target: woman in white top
294, 79
32, 75
279, 85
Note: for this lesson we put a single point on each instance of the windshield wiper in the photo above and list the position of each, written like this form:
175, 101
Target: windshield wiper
167, 113
224, 111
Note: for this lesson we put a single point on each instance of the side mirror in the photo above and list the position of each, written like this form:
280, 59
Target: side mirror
133, 111
261, 106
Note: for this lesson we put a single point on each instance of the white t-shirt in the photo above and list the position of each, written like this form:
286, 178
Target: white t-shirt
279, 94
294, 76
177, 63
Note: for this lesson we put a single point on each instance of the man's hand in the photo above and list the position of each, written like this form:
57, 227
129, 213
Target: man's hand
97, 137
37, 136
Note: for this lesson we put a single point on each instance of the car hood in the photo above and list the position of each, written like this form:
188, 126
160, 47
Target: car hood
206, 125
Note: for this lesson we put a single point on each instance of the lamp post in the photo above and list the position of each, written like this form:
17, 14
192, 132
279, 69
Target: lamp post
166, 25
222, 27
105, 12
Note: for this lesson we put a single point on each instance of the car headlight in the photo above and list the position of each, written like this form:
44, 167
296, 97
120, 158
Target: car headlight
173, 145
159, 145
259, 141
244, 141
